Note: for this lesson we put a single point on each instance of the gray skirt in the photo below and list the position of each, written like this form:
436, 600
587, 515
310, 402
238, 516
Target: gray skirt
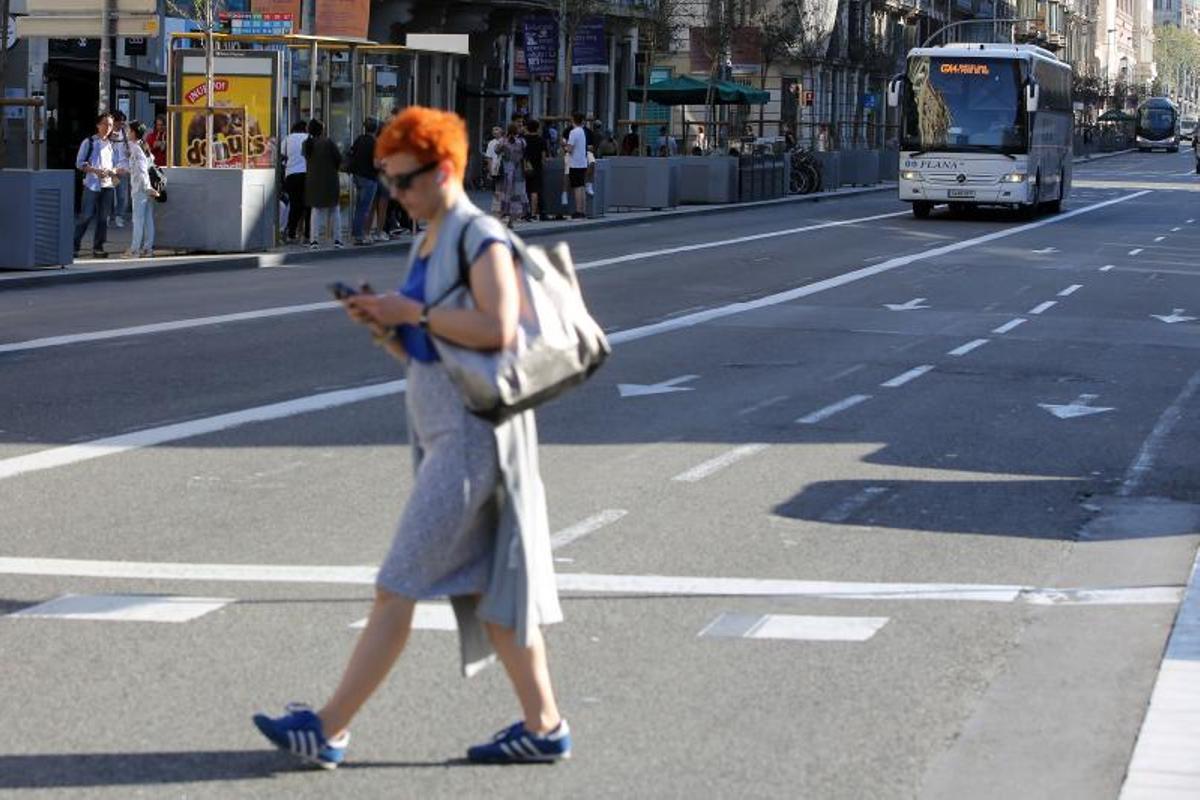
444, 542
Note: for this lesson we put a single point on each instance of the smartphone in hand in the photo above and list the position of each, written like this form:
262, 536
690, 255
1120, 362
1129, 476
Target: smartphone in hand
341, 290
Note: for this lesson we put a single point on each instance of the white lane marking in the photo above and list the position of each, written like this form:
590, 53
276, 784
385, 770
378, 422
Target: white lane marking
1176, 315
729, 457
125, 607
162, 327
571, 582
846, 373
904, 378
665, 387
855, 502
836, 408
1107, 267
793, 627
756, 237
75, 453
1168, 746
1176, 229
912, 305
196, 322
1159, 238
962, 350
1144, 461
1010, 325
1080, 407
426, 617
1070, 290
61, 456
1190, 221
1135, 251
691, 320
1045, 250
1043, 307
759, 406
584, 527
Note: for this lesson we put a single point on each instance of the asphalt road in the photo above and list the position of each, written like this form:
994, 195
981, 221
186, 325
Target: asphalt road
945, 548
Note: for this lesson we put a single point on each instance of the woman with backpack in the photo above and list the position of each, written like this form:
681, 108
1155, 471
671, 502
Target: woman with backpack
142, 193
475, 526
322, 188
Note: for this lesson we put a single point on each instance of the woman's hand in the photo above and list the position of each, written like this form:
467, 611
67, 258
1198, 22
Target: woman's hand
387, 310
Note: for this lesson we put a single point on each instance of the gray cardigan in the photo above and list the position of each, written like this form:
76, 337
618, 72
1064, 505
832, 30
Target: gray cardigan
522, 592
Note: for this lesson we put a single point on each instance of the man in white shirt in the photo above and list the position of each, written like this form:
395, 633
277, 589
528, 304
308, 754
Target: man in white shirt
577, 163
492, 157
97, 160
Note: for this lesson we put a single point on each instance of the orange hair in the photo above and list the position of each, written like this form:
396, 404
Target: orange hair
429, 134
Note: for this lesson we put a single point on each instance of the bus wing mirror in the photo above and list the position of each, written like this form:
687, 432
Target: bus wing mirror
1033, 94
893, 90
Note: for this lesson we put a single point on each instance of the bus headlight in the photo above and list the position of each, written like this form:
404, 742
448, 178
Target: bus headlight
1014, 177
910, 175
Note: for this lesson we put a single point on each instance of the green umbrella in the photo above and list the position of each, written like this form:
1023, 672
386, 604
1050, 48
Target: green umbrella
684, 90
1113, 115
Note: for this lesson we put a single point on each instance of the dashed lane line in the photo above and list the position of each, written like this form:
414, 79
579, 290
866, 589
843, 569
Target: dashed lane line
1135, 251
907, 377
1107, 268
825, 413
962, 350
1070, 290
586, 527
714, 465
1043, 307
1010, 325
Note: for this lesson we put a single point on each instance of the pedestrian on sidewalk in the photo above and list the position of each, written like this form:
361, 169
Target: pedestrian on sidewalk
630, 142
120, 139
97, 160
295, 170
366, 180
535, 167
510, 202
475, 526
1196, 150
577, 165
321, 185
142, 194
156, 140
491, 158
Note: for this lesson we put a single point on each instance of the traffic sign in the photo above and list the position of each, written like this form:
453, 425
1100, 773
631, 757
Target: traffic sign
65, 27
89, 7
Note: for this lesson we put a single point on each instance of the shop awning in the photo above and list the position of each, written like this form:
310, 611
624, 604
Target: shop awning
685, 90
142, 79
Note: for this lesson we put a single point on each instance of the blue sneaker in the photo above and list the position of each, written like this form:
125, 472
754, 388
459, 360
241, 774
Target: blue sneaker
299, 732
515, 745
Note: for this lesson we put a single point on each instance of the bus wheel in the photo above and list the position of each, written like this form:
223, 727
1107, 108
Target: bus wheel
921, 209
1055, 206
1031, 210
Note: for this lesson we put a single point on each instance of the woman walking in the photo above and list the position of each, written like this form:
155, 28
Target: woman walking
295, 168
141, 192
321, 187
475, 527
510, 202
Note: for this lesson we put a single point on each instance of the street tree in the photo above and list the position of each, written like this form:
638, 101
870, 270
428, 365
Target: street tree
571, 14
780, 31
660, 29
1177, 55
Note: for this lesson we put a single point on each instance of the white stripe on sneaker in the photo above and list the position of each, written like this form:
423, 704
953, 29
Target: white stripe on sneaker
504, 748
292, 742
530, 748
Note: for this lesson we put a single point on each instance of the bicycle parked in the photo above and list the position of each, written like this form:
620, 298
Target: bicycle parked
806, 175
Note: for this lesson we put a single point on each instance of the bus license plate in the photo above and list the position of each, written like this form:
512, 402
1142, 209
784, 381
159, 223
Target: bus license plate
962, 192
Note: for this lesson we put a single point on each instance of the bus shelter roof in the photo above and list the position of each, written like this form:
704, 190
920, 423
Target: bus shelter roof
685, 90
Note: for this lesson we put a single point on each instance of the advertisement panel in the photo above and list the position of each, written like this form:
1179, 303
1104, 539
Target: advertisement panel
541, 46
590, 51
343, 18
278, 7
248, 79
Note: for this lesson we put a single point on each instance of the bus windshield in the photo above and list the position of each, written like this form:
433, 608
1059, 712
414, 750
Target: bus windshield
1158, 122
964, 105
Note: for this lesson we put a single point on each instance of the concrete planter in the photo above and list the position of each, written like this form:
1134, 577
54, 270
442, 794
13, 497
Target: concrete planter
708, 179
218, 210
860, 167
37, 221
889, 165
644, 182
831, 169
762, 177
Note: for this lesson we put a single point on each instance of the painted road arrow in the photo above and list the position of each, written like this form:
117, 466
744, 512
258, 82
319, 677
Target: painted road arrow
643, 389
1079, 408
1173, 317
911, 305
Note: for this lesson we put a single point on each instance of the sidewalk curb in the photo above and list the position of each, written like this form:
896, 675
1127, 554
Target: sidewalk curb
1100, 156
190, 265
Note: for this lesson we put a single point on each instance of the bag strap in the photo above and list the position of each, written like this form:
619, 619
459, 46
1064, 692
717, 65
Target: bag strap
464, 268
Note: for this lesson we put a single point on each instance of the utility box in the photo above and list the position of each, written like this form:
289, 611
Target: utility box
218, 210
37, 220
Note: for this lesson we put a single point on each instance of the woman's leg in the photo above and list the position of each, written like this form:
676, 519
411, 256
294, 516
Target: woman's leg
135, 243
376, 651
148, 226
529, 673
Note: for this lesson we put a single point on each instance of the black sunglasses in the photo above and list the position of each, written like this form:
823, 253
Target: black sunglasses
404, 181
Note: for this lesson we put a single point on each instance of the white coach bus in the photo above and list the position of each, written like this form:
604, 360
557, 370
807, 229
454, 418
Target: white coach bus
984, 124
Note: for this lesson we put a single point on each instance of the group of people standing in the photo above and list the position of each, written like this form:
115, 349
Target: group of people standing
515, 163
312, 164
117, 162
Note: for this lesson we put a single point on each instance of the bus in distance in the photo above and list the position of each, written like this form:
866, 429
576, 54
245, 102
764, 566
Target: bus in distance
1157, 125
984, 124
